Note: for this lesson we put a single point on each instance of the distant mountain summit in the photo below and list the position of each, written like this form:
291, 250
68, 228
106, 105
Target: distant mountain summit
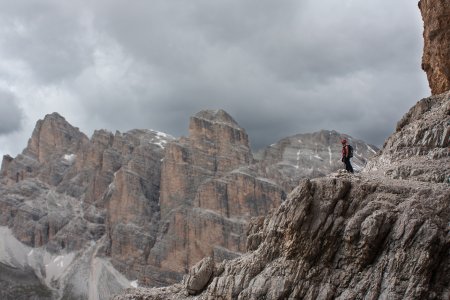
217, 117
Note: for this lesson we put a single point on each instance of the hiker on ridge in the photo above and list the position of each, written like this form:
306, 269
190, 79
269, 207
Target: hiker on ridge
347, 153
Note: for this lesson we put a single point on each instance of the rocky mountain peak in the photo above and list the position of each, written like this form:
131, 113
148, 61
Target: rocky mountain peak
217, 117
216, 134
53, 135
216, 130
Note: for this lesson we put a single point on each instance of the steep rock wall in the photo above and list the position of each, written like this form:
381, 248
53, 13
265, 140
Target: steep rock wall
205, 200
436, 52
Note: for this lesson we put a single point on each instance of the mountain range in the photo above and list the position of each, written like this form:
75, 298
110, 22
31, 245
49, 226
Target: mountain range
95, 215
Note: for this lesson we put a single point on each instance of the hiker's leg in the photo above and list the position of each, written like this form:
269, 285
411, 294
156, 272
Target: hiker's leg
348, 166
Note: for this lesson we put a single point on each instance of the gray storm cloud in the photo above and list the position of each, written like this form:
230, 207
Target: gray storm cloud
10, 114
50, 37
279, 67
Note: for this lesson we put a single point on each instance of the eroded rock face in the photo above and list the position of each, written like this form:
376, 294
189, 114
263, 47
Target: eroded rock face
341, 238
60, 162
106, 194
435, 60
53, 135
39, 216
419, 149
49, 154
199, 276
333, 247
206, 199
106, 190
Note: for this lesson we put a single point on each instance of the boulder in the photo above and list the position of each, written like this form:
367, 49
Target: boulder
199, 276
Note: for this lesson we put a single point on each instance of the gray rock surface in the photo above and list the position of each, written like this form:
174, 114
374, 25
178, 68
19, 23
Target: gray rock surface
420, 147
199, 276
22, 285
343, 238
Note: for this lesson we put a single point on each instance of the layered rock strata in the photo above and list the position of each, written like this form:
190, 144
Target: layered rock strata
436, 53
206, 199
49, 154
103, 191
76, 188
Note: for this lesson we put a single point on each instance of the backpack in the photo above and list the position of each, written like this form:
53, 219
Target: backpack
350, 151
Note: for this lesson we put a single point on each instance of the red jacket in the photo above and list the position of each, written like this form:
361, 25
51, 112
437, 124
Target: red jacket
345, 151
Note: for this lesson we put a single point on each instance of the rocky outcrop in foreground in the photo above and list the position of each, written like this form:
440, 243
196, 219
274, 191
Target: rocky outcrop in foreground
436, 34
419, 149
368, 236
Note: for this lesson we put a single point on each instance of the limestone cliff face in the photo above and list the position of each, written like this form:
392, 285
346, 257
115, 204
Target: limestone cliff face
435, 60
53, 135
132, 201
103, 203
206, 199
344, 236
216, 145
87, 199
31, 207
49, 154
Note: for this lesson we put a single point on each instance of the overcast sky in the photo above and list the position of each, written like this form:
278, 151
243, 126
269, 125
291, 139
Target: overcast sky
279, 67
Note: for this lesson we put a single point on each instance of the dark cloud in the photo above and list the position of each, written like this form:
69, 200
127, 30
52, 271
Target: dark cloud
50, 36
279, 67
10, 114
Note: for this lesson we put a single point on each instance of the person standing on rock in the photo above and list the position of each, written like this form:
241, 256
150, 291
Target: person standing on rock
347, 153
